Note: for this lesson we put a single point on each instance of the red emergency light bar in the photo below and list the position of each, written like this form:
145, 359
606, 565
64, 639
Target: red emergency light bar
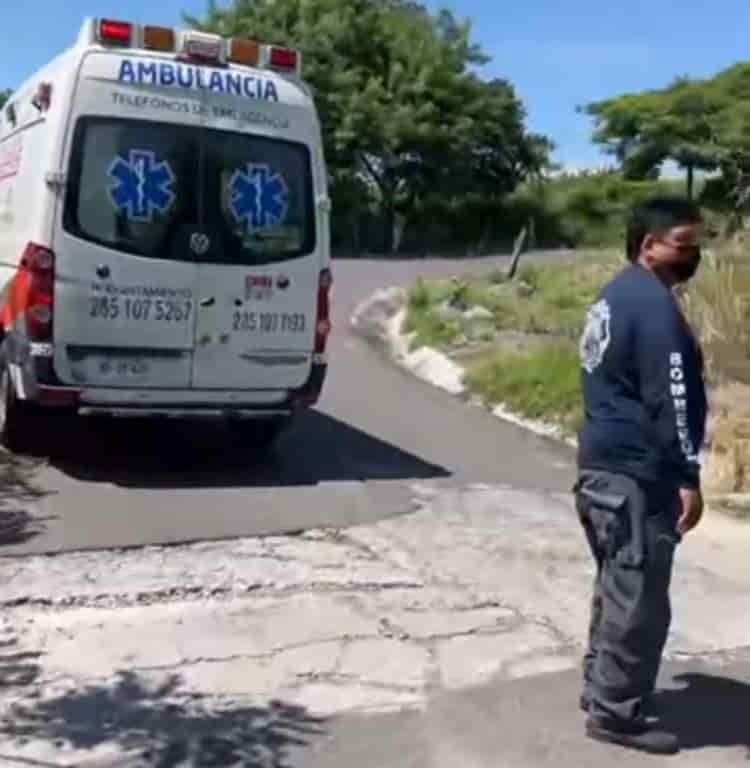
283, 58
117, 32
199, 46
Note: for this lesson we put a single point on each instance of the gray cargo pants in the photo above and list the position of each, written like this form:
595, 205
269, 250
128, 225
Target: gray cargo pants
631, 530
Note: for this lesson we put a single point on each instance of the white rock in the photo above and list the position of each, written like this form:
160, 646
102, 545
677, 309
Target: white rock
478, 313
371, 317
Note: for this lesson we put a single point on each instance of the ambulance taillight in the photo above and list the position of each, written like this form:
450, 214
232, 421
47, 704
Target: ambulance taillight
323, 311
39, 265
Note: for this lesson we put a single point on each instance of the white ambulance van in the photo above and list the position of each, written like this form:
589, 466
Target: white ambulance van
164, 234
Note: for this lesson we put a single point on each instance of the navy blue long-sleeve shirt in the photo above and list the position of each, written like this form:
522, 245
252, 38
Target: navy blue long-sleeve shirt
642, 380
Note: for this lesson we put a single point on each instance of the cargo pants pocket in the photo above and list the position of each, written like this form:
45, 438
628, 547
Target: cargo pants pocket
613, 520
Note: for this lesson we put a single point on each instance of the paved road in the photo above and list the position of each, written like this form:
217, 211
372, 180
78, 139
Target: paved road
469, 612
532, 723
354, 459
448, 637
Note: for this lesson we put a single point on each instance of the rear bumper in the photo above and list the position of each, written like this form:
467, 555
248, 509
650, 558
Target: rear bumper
180, 412
182, 403
37, 383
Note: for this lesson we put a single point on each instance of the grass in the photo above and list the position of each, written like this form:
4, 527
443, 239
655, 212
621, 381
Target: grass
546, 300
423, 318
548, 303
718, 305
540, 384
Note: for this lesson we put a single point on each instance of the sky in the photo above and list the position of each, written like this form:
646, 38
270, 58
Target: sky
557, 56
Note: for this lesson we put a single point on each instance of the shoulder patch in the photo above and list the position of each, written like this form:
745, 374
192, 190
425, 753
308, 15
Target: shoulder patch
596, 336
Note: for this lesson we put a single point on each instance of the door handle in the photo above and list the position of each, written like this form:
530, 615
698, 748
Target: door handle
209, 302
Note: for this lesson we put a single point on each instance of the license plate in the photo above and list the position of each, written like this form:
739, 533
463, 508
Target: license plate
119, 368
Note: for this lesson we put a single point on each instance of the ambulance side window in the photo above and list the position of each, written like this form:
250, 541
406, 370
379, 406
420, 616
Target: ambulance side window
132, 183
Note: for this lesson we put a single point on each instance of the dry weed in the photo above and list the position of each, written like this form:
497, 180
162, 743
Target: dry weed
718, 305
727, 468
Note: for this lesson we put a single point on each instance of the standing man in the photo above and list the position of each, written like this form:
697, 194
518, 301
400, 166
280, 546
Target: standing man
638, 489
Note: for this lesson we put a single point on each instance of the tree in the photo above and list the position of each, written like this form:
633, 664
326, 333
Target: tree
4, 96
700, 124
486, 163
642, 130
731, 133
399, 105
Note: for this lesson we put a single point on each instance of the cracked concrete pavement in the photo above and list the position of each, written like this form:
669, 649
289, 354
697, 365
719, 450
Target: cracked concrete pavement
422, 618
481, 586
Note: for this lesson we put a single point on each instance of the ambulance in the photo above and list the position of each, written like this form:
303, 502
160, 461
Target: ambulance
164, 235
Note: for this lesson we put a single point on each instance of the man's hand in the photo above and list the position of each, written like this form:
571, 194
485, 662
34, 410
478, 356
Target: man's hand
691, 501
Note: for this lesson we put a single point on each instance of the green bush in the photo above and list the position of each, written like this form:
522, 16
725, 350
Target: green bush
587, 210
567, 211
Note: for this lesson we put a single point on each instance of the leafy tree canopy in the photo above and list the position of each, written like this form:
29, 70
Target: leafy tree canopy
698, 123
400, 104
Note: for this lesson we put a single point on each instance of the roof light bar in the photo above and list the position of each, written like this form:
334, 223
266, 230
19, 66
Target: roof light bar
196, 46
283, 59
158, 38
114, 32
205, 47
245, 52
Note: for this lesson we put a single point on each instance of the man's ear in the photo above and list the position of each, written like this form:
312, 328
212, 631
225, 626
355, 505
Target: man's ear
647, 244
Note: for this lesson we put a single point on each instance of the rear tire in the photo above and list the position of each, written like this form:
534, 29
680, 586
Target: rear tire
19, 421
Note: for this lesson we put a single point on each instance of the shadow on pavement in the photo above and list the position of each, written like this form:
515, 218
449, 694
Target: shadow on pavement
710, 711
17, 491
317, 448
17, 668
163, 728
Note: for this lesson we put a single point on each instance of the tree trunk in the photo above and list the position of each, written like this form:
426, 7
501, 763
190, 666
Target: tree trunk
387, 188
690, 180
389, 217
399, 228
484, 237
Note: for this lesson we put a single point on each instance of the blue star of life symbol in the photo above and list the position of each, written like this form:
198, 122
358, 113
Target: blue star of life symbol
259, 197
142, 185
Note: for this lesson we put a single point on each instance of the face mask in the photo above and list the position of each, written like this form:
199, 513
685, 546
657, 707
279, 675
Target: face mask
683, 270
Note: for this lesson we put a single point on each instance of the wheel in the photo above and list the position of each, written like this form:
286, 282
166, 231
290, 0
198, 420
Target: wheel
19, 422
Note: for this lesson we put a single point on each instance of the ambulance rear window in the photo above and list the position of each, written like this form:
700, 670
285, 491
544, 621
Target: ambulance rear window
147, 188
262, 189
132, 185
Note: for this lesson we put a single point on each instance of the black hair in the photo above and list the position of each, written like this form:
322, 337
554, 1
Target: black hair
656, 216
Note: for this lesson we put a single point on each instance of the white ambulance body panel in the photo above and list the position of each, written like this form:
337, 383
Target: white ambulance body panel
170, 215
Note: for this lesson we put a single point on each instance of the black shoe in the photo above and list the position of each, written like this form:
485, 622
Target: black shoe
637, 735
584, 703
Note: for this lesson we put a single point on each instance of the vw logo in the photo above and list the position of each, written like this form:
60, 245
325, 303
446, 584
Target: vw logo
199, 243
